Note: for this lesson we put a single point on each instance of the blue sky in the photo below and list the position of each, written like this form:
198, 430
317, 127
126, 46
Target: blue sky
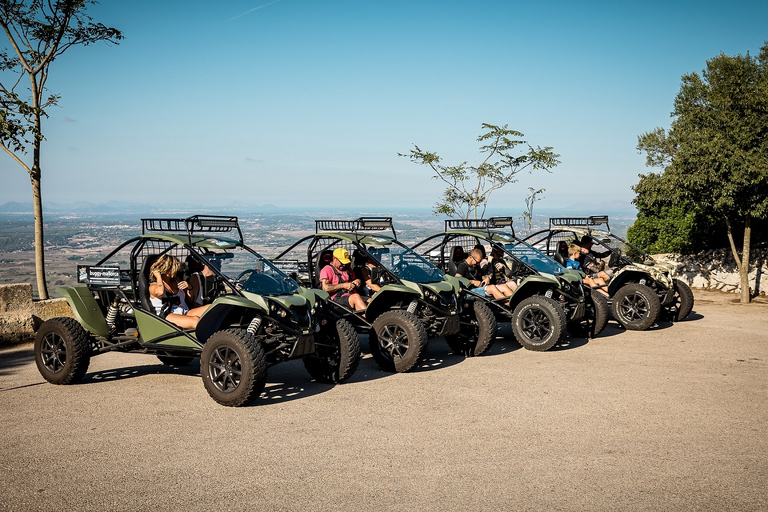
308, 102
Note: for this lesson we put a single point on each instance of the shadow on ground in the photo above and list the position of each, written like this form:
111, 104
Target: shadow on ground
14, 357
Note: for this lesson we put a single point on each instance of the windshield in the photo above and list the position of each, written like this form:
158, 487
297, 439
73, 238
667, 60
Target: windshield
250, 272
534, 258
406, 264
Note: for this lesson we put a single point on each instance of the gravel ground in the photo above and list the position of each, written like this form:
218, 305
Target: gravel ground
669, 419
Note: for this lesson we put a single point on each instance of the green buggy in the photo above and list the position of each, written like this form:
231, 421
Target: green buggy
258, 316
415, 301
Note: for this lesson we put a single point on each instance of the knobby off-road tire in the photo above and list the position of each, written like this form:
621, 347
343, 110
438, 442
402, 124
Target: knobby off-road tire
595, 318
175, 360
397, 341
478, 331
233, 367
62, 351
635, 306
682, 303
337, 353
538, 323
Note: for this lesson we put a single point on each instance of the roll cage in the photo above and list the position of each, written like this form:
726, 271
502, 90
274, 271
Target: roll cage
363, 238
571, 229
198, 238
471, 232
356, 236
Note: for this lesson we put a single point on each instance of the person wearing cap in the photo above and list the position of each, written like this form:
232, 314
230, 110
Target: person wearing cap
590, 260
339, 280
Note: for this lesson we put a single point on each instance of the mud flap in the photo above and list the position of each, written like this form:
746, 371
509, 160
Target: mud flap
579, 311
304, 345
450, 326
669, 297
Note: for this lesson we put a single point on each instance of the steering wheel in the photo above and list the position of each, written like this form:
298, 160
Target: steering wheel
242, 277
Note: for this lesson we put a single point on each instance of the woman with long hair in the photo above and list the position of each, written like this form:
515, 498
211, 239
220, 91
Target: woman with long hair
166, 290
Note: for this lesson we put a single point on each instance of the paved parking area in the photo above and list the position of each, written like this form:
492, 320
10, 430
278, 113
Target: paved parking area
669, 419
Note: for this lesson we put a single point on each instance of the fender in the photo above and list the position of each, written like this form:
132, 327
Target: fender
250, 300
314, 296
545, 279
389, 294
631, 276
456, 283
536, 282
572, 275
439, 287
85, 309
215, 314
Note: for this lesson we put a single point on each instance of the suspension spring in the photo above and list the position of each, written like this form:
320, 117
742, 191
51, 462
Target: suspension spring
112, 314
253, 327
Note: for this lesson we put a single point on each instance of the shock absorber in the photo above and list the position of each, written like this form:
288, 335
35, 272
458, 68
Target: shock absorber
253, 327
112, 314
413, 306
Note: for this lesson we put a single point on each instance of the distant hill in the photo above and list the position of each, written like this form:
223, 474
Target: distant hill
15, 207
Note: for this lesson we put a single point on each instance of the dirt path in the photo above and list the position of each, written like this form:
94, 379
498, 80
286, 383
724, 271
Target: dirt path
670, 419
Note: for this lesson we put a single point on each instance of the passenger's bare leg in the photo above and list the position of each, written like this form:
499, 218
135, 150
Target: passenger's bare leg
357, 302
198, 311
491, 290
597, 284
184, 321
506, 289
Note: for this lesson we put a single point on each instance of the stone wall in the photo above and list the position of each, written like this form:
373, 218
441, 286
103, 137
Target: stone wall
20, 316
716, 270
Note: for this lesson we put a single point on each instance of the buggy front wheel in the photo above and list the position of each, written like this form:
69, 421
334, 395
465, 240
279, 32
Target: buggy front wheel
397, 340
538, 323
635, 306
233, 367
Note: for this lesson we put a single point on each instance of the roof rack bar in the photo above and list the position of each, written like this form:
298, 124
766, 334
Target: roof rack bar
594, 220
489, 223
192, 225
356, 225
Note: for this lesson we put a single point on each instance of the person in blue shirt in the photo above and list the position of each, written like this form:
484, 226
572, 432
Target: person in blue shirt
574, 251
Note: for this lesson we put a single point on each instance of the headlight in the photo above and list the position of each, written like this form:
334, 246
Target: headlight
282, 313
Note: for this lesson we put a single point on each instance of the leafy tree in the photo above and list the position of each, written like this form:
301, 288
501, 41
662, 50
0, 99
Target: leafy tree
665, 223
715, 155
469, 187
38, 32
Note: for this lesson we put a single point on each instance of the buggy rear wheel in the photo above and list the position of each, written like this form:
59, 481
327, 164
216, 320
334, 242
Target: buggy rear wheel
595, 318
682, 303
337, 353
233, 367
397, 340
538, 323
62, 351
478, 331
